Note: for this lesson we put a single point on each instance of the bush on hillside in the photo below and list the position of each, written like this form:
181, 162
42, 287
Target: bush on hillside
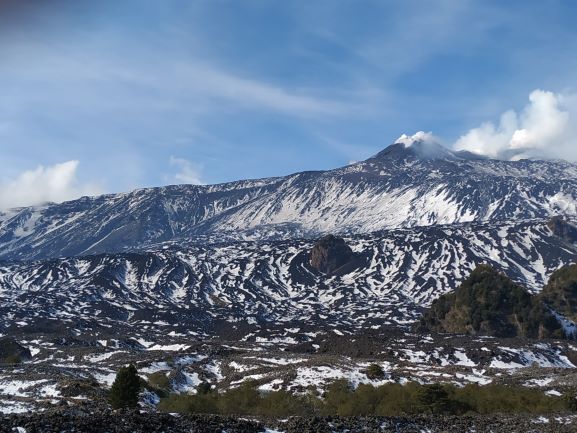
375, 372
125, 389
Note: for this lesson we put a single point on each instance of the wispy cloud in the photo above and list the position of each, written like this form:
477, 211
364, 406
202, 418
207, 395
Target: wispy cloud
54, 183
249, 92
187, 172
198, 86
126, 84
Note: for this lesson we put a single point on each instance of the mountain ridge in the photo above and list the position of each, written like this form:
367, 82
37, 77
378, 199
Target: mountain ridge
372, 195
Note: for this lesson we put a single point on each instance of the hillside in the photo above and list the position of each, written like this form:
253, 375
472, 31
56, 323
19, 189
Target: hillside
560, 293
489, 303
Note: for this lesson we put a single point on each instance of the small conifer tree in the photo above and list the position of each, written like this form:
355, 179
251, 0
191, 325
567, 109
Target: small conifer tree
125, 389
434, 398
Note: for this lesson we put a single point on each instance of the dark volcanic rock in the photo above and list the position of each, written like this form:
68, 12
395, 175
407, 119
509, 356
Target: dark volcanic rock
133, 421
12, 352
561, 228
330, 253
432, 424
105, 421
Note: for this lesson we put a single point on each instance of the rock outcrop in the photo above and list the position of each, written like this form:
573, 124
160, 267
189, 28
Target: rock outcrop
330, 253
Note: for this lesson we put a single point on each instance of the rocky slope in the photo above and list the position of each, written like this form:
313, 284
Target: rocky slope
405, 185
12, 352
395, 274
128, 422
74, 368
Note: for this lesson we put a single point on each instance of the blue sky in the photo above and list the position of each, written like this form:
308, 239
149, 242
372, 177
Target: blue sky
116, 94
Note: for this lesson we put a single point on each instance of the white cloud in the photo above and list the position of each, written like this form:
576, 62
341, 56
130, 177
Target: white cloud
55, 183
546, 127
409, 140
187, 171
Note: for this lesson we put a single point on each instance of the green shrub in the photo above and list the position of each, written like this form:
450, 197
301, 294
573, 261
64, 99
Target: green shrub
280, 404
240, 401
375, 372
13, 359
184, 403
394, 399
159, 380
338, 398
387, 400
509, 399
203, 388
125, 389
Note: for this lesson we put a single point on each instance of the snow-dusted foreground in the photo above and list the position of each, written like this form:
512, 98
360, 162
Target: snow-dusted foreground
81, 371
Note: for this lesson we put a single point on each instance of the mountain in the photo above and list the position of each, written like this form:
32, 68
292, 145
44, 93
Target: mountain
293, 282
391, 278
409, 184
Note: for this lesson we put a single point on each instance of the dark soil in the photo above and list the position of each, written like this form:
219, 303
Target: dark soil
134, 421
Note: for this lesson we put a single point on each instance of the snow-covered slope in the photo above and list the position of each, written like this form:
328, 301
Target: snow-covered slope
395, 275
405, 185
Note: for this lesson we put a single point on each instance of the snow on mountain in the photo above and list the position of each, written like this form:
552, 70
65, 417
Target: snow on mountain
396, 274
421, 184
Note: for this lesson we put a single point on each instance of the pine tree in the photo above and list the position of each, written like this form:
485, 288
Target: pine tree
434, 398
125, 389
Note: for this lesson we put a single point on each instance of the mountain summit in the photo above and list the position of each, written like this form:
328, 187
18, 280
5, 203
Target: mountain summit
422, 146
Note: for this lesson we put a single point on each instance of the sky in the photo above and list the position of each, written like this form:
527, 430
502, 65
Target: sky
111, 95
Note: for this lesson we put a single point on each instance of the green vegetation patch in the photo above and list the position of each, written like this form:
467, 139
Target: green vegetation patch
560, 293
366, 400
489, 303
159, 380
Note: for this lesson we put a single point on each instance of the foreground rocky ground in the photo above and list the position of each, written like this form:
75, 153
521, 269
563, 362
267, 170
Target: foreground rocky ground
71, 369
102, 421
62, 382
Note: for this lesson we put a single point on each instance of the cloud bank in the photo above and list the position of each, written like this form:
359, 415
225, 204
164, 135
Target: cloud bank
546, 128
55, 183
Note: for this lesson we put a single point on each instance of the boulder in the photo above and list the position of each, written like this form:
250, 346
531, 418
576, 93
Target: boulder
330, 253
